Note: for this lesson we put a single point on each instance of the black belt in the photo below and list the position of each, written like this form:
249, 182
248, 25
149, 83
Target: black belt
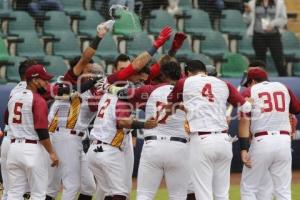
207, 133
177, 139
74, 132
266, 133
99, 142
26, 141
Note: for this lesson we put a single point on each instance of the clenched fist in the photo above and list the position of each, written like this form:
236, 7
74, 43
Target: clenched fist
150, 123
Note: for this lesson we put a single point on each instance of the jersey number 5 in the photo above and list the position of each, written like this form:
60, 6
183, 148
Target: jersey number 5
207, 92
17, 119
103, 108
268, 103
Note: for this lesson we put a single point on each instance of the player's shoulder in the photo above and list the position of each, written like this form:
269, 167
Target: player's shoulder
246, 92
37, 98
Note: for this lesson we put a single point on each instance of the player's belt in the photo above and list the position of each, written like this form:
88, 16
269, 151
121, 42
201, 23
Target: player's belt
177, 139
73, 132
270, 133
99, 142
213, 132
24, 140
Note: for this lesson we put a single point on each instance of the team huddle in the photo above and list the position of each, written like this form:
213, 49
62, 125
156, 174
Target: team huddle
185, 129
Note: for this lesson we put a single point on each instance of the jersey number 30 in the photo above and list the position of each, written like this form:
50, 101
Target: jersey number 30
268, 102
17, 119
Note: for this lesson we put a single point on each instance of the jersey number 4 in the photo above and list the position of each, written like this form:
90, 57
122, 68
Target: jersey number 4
207, 92
278, 99
103, 108
17, 119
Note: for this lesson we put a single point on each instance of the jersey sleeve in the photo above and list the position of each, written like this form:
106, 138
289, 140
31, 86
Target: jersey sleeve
177, 94
40, 112
121, 75
234, 98
70, 77
294, 103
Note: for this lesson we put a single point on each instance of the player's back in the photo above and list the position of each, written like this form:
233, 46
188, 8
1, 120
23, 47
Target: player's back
155, 108
20, 121
205, 99
270, 110
20, 87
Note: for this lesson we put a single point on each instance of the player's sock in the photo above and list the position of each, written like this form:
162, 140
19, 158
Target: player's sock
108, 198
191, 196
119, 197
84, 197
48, 198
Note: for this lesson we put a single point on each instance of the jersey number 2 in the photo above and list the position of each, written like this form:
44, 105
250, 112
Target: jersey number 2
268, 103
17, 119
207, 92
103, 108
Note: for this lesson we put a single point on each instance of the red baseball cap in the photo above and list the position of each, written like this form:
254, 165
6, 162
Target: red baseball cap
37, 71
255, 73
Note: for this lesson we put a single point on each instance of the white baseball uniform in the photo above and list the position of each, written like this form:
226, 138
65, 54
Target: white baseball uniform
270, 149
165, 150
106, 155
68, 121
204, 98
27, 160
21, 86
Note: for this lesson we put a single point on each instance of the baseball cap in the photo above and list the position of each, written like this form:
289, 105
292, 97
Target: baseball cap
37, 71
255, 73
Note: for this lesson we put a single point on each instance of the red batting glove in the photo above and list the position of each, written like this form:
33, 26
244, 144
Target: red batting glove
163, 36
178, 41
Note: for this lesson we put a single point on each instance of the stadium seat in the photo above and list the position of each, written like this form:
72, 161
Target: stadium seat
183, 4
3, 10
158, 20
4, 56
126, 23
214, 45
183, 53
68, 46
296, 69
138, 44
20, 22
12, 69
56, 66
196, 22
56, 22
31, 46
203, 58
3, 81
88, 26
291, 46
232, 24
107, 49
73, 7
245, 47
234, 66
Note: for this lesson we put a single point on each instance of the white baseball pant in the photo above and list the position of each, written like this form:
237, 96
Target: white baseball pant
88, 184
270, 154
4, 150
163, 158
210, 161
27, 163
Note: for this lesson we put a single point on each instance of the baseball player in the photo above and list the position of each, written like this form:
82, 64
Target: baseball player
268, 121
27, 121
204, 98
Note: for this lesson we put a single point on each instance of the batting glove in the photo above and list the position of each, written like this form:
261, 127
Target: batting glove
163, 36
178, 41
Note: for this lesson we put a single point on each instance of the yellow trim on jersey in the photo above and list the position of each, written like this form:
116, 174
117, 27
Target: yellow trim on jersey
187, 126
54, 123
118, 139
73, 112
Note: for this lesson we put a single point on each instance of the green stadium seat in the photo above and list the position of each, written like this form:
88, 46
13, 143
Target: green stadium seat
183, 53
158, 20
4, 56
234, 66
20, 22
183, 4
296, 69
12, 69
138, 44
196, 22
4, 11
31, 47
203, 58
291, 45
68, 46
88, 26
72, 7
232, 24
126, 24
107, 49
56, 66
214, 45
245, 47
57, 22
3, 81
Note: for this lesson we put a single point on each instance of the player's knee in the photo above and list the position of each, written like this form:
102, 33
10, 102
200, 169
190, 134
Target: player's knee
191, 196
119, 197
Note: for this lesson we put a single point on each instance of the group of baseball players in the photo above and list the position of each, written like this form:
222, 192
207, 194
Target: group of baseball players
185, 129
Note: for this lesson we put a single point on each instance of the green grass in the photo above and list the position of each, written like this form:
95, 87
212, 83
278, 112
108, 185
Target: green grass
162, 194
